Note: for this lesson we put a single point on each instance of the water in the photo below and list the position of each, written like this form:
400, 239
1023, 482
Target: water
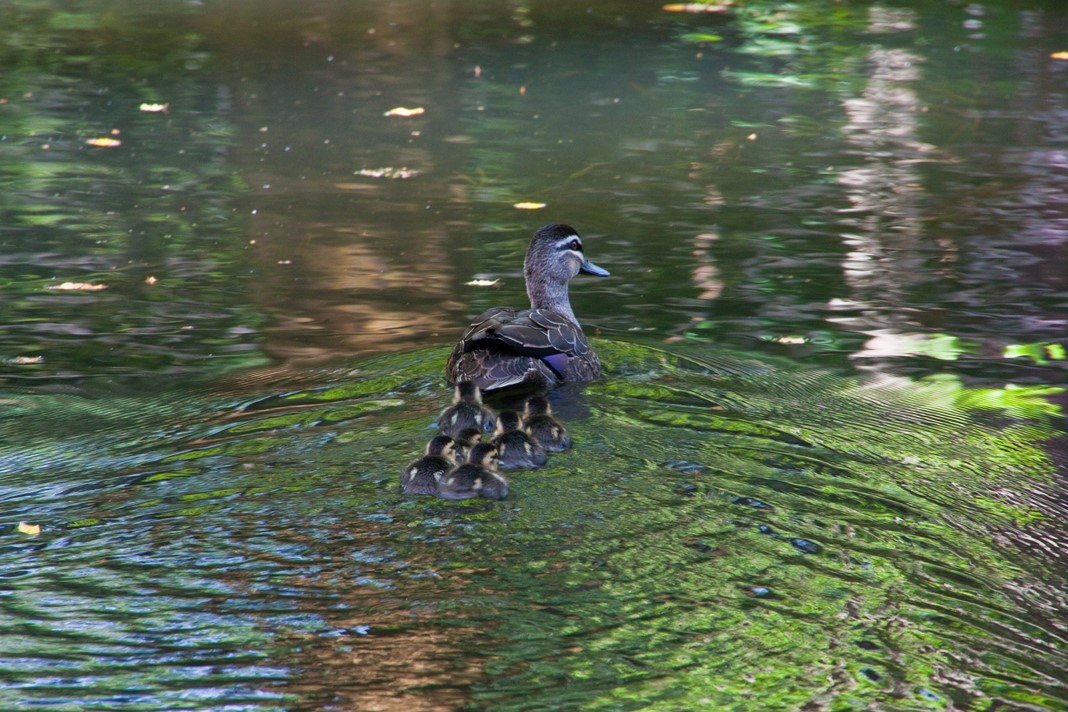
825, 468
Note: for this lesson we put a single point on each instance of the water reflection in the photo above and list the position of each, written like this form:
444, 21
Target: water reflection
718, 518
220, 521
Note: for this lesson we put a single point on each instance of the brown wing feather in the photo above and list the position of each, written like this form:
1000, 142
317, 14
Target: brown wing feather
504, 348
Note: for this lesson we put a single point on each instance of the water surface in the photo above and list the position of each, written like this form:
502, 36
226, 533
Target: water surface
826, 466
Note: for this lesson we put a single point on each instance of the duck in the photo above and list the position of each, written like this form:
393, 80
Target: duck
543, 428
478, 477
514, 446
423, 475
537, 348
466, 411
465, 440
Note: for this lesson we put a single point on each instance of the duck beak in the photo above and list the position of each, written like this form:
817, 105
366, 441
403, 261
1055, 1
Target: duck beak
588, 267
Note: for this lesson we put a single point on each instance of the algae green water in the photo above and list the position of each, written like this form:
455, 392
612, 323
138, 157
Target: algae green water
825, 468
727, 533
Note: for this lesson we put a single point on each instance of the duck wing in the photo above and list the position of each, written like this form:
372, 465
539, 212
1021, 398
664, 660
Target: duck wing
504, 347
533, 332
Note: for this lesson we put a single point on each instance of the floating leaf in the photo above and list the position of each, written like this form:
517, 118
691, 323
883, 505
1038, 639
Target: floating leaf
1059, 55
104, 142
482, 282
388, 172
701, 37
403, 111
78, 287
529, 206
155, 108
31, 529
698, 6
24, 360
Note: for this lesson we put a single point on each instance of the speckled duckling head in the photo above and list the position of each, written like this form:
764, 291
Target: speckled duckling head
485, 455
507, 421
465, 440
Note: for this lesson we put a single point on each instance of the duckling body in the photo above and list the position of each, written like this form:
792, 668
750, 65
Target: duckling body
478, 477
540, 347
514, 447
466, 411
423, 475
543, 427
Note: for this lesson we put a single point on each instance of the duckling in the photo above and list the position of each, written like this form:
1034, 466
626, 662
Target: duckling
466, 411
423, 475
543, 427
540, 347
467, 439
477, 477
514, 446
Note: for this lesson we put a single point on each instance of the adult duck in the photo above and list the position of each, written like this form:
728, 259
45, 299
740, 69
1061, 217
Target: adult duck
540, 347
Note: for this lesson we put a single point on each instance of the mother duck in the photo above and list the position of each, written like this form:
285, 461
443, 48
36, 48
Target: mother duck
540, 347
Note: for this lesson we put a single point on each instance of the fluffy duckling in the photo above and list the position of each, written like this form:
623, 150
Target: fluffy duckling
477, 477
543, 427
467, 439
423, 475
466, 411
515, 447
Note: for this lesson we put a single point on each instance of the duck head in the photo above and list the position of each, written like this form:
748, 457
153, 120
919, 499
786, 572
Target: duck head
554, 257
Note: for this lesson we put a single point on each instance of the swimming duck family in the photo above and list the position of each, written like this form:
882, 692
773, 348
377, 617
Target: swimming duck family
504, 348
540, 347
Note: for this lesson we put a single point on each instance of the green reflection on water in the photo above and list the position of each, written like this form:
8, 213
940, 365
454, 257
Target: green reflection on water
728, 531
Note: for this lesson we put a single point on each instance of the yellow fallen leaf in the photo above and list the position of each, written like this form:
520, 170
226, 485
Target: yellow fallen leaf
529, 206
150, 280
23, 360
104, 142
155, 108
402, 111
78, 287
698, 6
31, 529
1059, 55
482, 282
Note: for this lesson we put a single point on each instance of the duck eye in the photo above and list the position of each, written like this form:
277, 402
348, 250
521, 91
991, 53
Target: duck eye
575, 245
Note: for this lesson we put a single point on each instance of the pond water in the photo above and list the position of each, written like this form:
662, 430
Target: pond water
825, 467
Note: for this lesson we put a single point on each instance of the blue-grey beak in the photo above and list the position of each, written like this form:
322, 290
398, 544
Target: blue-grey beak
590, 268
